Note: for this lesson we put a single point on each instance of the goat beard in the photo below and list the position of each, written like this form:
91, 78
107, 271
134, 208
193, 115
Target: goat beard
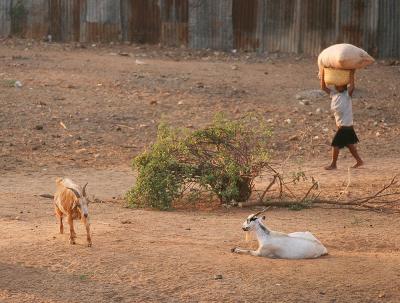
248, 236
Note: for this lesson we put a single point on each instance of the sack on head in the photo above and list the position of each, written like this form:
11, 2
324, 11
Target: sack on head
343, 56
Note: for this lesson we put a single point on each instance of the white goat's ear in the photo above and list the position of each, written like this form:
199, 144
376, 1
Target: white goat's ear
263, 217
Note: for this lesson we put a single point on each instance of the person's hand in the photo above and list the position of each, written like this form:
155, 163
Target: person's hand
323, 84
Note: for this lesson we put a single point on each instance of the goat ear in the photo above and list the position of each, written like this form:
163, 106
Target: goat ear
263, 217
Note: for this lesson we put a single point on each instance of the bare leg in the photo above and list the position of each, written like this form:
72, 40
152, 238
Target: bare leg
72, 234
353, 150
59, 215
245, 251
335, 155
87, 225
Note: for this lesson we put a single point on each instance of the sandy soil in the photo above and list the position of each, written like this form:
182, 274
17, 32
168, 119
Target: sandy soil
110, 107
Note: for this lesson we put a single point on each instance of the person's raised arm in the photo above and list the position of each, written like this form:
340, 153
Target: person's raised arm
351, 84
323, 84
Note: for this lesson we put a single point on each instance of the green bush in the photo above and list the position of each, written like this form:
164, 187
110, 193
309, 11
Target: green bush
223, 158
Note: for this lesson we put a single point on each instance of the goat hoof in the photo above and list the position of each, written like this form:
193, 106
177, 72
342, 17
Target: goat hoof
89, 245
233, 249
72, 242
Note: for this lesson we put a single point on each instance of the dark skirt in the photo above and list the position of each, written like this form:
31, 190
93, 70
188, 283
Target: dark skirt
344, 136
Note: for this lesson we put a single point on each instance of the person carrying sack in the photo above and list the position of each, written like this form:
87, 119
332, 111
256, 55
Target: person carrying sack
341, 106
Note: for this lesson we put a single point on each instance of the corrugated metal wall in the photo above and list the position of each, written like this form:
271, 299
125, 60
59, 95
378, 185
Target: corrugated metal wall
100, 21
174, 22
388, 42
317, 25
281, 26
210, 24
145, 21
37, 19
25, 18
65, 19
5, 18
293, 26
247, 24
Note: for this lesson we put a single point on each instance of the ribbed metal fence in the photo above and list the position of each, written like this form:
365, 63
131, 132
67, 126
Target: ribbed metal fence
100, 21
210, 24
5, 18
175, 22
293, 26
388, 37
65, 19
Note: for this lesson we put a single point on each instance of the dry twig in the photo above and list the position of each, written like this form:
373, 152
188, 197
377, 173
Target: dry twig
379, 201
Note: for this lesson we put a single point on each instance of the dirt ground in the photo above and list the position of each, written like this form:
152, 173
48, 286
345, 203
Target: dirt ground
84, 112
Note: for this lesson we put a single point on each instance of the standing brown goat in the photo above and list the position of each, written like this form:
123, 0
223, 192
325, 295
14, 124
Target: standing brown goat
70, 200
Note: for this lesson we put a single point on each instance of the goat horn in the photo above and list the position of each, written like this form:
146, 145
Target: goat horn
84, 190
75, 192
264, 210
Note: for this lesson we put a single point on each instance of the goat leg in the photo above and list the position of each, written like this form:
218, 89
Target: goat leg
59, 215
241, 251
72, 234
87, 225
61, 225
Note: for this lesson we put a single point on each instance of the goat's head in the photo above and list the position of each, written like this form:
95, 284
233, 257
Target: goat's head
82, 202
252, 220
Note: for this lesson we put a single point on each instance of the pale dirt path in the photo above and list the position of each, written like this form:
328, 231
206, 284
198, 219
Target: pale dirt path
173, 256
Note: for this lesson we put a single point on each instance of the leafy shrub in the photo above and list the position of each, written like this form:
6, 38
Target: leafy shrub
223, 158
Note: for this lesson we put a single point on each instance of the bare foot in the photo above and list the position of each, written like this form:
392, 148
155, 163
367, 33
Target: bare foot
330, 167
358, 164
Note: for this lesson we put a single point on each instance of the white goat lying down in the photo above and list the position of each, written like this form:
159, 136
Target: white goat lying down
70, 200
272, 244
